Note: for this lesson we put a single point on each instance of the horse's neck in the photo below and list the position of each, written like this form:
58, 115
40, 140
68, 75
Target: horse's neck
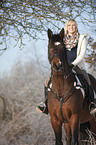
58, 83
62, 80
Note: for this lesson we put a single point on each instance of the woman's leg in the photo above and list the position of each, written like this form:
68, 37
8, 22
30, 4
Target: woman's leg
92, 105
42, 107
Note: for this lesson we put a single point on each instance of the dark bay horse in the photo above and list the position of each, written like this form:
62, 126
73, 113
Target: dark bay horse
65, 100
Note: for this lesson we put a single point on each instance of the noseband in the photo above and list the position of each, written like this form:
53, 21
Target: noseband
59, 59
54, 56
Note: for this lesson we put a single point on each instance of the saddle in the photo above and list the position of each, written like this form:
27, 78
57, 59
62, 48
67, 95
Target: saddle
85, 86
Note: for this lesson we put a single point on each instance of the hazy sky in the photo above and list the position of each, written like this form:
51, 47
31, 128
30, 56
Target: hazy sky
31, 51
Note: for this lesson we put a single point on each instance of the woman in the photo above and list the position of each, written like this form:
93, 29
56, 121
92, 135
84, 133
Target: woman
75, 47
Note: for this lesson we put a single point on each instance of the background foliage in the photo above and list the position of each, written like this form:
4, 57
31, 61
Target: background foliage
33, 16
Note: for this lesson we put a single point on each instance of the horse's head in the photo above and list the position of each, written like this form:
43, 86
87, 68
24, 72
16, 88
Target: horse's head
56, 49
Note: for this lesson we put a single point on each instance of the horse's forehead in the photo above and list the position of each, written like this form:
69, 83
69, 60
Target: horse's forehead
56, 38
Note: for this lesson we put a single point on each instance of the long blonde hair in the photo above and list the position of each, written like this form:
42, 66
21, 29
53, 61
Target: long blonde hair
67, 23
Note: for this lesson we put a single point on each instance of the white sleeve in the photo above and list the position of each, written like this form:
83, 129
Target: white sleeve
82, 52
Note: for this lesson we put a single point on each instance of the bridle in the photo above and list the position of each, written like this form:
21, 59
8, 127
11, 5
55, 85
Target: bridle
54, 56
61, 100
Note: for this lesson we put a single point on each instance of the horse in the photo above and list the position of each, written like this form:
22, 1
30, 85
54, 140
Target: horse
66, 95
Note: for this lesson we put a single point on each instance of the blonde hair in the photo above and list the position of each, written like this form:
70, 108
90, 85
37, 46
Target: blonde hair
67, 23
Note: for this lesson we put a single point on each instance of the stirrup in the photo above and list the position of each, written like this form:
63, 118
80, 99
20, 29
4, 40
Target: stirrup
42, 108
92, 111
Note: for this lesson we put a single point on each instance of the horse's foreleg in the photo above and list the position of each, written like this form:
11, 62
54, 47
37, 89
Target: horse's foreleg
68, 133
75, 129
57, 127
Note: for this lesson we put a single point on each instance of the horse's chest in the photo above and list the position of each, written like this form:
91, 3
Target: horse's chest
58, 85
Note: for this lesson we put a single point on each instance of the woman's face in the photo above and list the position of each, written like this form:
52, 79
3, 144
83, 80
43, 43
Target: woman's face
71, 28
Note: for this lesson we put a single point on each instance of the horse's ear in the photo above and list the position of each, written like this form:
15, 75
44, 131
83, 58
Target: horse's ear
62, 33
49, 33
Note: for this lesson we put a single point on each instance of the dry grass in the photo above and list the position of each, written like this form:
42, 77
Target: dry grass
22, 125
22, 91
91, 138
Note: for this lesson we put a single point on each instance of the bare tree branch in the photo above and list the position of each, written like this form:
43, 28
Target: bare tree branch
21, 17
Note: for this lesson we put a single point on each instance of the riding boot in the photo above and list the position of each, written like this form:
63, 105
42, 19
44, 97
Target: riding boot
90, 93
43, 107
92, 105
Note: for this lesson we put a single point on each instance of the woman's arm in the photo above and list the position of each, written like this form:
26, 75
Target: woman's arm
81, 52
